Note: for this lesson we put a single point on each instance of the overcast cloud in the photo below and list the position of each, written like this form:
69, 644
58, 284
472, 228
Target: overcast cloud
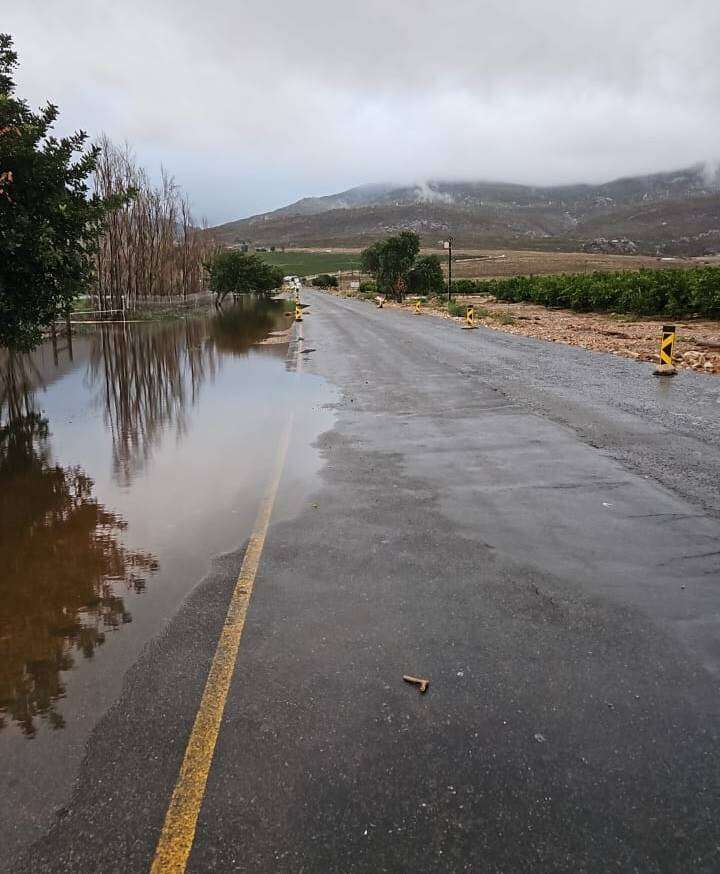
252, 105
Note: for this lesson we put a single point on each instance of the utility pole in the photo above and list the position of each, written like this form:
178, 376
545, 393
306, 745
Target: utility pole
448, 245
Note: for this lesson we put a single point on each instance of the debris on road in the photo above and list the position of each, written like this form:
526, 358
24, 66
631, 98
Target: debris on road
417, 681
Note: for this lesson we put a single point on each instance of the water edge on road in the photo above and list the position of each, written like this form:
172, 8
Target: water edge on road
124, 468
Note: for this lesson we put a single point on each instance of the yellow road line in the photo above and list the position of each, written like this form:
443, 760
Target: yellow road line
178, 831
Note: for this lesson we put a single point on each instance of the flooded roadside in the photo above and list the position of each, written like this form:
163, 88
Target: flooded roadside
123, 470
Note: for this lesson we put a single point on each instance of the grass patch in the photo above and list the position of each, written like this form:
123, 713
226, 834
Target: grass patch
294, 262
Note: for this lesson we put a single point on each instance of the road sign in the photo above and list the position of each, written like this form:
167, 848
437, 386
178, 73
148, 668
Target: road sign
470, 319
667, 344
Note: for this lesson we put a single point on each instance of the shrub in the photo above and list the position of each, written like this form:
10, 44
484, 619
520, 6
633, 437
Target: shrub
704, 291
467, 286
644, 292
367, 287
325, 280
456, 309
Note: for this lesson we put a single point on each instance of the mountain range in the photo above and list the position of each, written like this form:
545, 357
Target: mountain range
663, 213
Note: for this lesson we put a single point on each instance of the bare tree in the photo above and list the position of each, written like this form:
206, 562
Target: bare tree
152, 247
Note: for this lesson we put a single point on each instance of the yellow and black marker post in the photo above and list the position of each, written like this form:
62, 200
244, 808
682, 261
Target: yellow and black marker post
667, 346
470, 319
418, 311
298, 312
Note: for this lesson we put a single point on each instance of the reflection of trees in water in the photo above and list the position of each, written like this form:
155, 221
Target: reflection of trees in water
236, 329
62, 558
151, 374
63, 563
19, 378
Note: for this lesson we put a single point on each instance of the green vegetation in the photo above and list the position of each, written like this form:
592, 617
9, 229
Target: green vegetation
467, 286
296, 263
456, 309
396, 267
236, 273
367, 287
324, 280
390, 261
426, 277
49, 225
644, 292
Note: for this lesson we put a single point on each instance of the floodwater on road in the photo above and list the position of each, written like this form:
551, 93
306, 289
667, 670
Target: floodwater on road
126, 462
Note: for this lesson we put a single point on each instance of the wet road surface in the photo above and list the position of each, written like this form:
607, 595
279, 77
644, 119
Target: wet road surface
534, 528
126, 463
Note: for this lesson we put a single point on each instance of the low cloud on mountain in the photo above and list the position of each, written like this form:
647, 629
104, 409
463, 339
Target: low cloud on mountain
252, 107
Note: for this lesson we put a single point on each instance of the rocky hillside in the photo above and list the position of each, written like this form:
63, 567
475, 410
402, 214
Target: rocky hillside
667, 213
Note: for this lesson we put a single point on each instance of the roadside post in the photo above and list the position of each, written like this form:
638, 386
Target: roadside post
470, 319
298, 312
447, 244
418, 311
667, 347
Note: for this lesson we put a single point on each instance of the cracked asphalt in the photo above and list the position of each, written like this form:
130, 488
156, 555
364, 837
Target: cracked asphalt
534, 528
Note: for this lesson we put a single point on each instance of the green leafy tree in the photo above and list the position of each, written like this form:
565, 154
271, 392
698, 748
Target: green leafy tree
49, 223
370, 258
325, 280
236, 273
389, 262
426, 277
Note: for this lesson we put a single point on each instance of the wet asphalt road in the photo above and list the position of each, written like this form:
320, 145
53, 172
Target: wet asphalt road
534, 528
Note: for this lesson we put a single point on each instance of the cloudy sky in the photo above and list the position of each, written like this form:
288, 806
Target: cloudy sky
253, 105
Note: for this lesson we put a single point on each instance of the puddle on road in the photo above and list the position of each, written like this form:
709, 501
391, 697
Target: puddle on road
123, 470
